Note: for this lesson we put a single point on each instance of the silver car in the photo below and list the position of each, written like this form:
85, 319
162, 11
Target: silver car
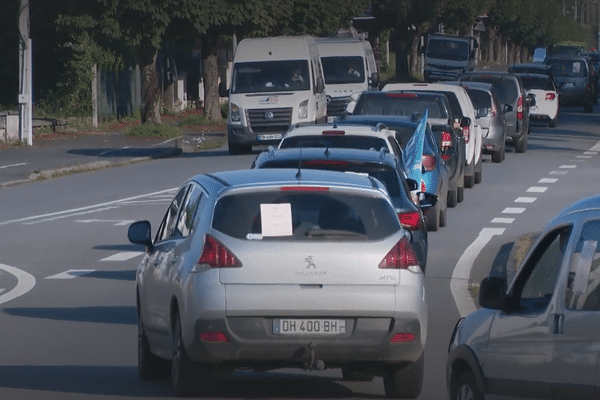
277, 268
539, 336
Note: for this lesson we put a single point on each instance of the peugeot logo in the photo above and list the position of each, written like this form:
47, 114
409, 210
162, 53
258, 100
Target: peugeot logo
310, 262
269, 115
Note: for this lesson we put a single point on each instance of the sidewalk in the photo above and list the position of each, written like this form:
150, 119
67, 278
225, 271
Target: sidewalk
63, 153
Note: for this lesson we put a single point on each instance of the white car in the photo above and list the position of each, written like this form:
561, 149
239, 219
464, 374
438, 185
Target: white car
462, 106
545, 95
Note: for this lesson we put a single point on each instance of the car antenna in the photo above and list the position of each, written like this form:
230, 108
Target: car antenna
299, 173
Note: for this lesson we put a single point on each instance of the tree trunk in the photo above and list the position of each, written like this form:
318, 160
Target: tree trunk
210, 69
150, 87
415, 55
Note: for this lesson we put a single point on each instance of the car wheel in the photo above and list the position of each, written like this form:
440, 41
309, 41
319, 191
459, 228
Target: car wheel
405, 382
150, 367
432, 218
498, 155
521, 144
553, 122
465, 388
187, 378
469, 181
460, 194
356, 376
478, 171
452, 198
443, 217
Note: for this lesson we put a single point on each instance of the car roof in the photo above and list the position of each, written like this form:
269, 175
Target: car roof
388, 120
421, 86
303, 153
591, 203
318, 129
257, 178
530, 75
474, 85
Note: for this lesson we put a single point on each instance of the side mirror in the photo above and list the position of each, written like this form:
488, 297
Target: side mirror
507, 108
320, 88
140, 233
465, 122
412, 184
223, 91
427, 200
530, 100
482, 112
374, 80
492, 293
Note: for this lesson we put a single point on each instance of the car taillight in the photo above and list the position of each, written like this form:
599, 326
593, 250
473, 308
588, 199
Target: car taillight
216, 255
494, 110
446, 140
403, 337
410, 220
423, 186
550, 96
214, 337
520, 108
304, 189
428, 162
326, 163
466, 133
401, 256
333, 133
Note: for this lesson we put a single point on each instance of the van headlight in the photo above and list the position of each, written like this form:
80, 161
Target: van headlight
303, 110
234, 113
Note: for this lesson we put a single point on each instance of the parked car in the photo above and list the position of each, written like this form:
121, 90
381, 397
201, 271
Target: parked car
576, 84
464, 118
539, 336
379, 164
353, 137
489, 117
545, 96
515, 103
533, 68
435, 172
276, 268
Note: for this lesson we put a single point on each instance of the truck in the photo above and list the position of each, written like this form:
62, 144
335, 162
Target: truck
447, 56
276, 83
349, 67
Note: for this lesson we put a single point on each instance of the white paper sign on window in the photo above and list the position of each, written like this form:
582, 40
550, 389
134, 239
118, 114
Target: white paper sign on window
276, 219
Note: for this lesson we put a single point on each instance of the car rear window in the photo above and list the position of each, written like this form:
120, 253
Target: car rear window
333, 141
405, 106
302, 215
480, 98
568, 68
507, 89
530, 82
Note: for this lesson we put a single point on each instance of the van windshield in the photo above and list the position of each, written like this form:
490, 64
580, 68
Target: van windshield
448, 50
270, 76
343, 70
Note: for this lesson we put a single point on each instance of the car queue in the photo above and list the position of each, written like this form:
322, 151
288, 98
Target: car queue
315, 256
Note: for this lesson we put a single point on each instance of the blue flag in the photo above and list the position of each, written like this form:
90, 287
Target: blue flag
413, 151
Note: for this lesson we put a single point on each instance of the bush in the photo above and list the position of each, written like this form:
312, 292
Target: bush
154, 130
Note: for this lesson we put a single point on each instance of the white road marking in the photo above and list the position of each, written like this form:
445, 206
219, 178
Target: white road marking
459, 285
123, 256
76, 210
114, 222
525, 199
568, 166
584, 157
548, 180
537, 189
12, 165
25, 282
595, 147
591, 153
503, 220
69, 215
513, 210
558, 172
70, 274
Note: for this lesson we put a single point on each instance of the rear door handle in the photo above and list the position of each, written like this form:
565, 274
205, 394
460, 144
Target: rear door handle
558, 323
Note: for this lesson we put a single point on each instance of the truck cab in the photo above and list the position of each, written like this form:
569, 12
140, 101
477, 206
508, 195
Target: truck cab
447, 56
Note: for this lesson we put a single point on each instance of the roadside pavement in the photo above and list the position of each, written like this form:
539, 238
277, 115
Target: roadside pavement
63, 153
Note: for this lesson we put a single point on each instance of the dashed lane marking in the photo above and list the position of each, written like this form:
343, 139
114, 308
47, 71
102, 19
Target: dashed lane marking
525, 199
548, 180
123, 256
537, 189
513, 210
503, 220
12, 165
25, 282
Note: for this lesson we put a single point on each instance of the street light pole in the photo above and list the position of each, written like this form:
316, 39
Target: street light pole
25, 92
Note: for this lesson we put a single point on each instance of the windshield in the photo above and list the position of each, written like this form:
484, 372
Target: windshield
336, 142
343, 70
448, 49
270, 76
568, 68
399, 104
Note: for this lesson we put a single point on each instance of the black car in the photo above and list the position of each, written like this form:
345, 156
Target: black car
378, 164
576, 81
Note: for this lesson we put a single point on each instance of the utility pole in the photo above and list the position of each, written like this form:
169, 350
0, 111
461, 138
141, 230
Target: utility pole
25, 92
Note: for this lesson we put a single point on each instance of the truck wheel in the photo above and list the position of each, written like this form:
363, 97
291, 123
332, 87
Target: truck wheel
404, 382
465, 388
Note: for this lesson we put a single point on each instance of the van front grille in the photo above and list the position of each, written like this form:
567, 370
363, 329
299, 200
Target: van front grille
271, 120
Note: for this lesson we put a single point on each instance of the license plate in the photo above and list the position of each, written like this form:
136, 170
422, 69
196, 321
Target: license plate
291, 326
273, 136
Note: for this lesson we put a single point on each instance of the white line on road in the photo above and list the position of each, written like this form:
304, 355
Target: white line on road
116, 222
459, 285
513, 210
123, 256
525, 199
12, 165
503, 220
568, 166
537, 189
25, 282
548, 180
70, 274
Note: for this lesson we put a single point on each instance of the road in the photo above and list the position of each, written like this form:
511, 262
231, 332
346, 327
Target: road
67, 280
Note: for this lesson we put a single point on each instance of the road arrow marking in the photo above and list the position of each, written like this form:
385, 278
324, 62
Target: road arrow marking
25, 282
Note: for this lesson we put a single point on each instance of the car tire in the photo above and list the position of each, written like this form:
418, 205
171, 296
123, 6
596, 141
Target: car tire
432, 218
187, 378
521, 144
452, 198
465, 388
443, 217
498, 155
351, 375
469, 181
150, 367
404, 382
478, 171
460, 194
553, 122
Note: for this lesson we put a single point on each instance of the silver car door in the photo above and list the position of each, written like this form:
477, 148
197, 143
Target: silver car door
520, 350
577, 341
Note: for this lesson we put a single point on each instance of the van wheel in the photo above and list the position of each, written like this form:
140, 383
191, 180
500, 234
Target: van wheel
404, 382
465, 388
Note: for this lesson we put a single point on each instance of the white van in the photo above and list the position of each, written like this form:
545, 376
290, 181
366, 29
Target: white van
349, 67
276, 82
